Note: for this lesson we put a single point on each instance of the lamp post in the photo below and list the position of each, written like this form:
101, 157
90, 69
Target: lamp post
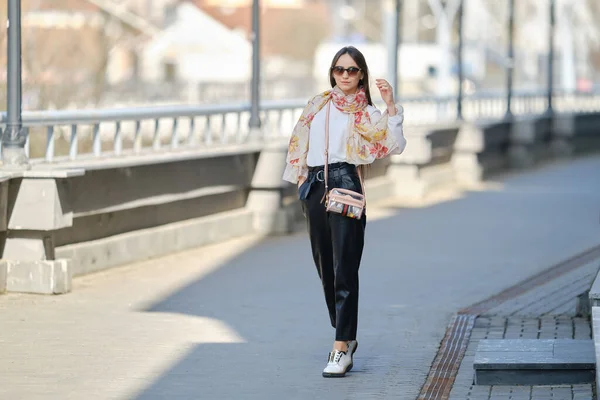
254, 122
510, 61
14, 136
459, 104
392, 13
551, 55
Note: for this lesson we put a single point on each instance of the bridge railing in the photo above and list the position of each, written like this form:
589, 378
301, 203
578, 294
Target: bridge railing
198, 175
67, 135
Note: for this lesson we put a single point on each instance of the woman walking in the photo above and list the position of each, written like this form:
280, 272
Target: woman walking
339, 132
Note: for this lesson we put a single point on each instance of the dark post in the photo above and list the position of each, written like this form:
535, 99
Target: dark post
254, 122
511, 61
15, 136
459, 115
399, 6
396, 41
551, 54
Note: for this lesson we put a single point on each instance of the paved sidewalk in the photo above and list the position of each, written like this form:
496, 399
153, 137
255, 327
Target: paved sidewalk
246, 319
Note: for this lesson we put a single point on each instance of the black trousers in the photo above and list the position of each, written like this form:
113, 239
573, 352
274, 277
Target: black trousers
337, 245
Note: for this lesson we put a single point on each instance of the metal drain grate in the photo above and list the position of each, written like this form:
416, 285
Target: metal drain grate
446, 363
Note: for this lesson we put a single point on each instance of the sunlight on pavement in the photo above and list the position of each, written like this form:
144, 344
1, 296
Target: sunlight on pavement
101, 333
389, 208
162, 276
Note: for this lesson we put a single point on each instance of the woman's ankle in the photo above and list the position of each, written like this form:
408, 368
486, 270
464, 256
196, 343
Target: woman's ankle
340, 345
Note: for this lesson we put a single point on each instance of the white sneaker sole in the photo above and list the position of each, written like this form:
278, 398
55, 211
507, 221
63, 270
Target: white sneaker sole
334, 375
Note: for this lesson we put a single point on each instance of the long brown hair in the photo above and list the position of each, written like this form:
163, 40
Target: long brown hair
359, 59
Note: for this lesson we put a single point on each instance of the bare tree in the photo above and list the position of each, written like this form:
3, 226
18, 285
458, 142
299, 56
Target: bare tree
65, 57
578, 34
444, 13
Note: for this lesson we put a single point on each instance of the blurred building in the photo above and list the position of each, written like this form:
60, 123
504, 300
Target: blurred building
71, 49
116, 52
127, 51
290, 30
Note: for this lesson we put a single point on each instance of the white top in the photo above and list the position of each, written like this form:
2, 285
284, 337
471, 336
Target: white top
338, 124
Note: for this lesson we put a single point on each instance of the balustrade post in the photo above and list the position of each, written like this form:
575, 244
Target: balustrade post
14, 136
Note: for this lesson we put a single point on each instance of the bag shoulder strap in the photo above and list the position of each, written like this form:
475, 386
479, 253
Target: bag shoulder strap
362, 184
327, 146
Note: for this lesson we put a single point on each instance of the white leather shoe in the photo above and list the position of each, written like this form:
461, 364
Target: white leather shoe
352, 346
337, 365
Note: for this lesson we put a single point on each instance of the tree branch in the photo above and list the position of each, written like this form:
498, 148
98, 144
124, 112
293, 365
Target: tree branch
449, 11
452, 8
436, 8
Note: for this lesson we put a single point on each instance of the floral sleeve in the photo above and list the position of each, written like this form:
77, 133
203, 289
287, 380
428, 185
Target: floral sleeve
298, 148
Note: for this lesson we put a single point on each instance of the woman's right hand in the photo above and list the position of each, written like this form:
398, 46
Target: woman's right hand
301, 180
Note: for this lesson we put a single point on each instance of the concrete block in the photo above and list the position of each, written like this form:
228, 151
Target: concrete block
522, 131
4, 205
563, 125
583, 307
42, 171
520, 156
470, 139
273, 222
406, 181
265, 198
270, 166
418, 152
294, 212
596, 338
594, 292
522, 137
39, 277
562, 128
378, 189
478, 151
467, 168
412, 182
28, 246
2, 277
534, 377
39, 204
437, 176
534, 362
269, 216
561, 148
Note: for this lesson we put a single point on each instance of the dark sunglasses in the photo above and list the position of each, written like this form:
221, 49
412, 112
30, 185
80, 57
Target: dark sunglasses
352, 71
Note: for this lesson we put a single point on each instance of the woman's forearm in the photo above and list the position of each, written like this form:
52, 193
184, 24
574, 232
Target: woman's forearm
391, 108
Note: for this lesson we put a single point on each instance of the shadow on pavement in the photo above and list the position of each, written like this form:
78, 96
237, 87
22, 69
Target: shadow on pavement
419, 266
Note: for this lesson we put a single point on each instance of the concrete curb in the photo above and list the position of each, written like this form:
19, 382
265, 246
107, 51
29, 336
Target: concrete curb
139, 245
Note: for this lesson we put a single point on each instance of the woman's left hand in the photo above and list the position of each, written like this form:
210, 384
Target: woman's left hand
387, 93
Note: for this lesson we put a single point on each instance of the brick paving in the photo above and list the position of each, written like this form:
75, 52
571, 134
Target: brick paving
246, 319
547, 312
557, 327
